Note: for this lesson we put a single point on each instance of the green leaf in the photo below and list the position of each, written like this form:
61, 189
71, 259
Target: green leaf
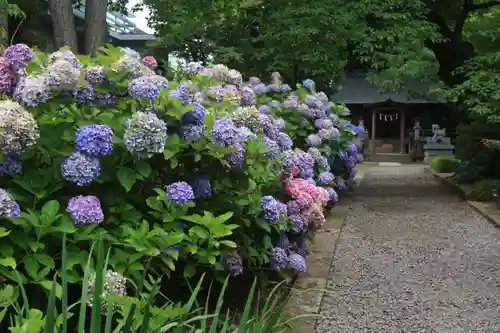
4, 232
127, 178
48, 285
8, 262
31, 266
50, 209
228, 243
144, 169
44, 259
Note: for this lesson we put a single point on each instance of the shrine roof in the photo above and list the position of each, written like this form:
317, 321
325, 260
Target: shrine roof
355, 89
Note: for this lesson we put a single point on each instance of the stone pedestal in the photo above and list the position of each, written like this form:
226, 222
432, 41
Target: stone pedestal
440, 147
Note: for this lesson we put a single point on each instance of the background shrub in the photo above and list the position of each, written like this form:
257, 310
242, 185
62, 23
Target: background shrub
444, 164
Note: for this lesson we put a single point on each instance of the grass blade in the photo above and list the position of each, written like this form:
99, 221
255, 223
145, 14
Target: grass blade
218, 307
227, 323
26, 305
109, 319
64, 275
96, 317
50, 318
189, 305
130, 318
248, 306
85, 289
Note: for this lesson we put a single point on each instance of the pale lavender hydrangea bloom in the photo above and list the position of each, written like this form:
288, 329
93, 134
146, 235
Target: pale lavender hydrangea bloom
18, 129
85, 210
253, 81
65, 55
287, 162
80, 169
291, 102
159, 81
182, 92
95, 75
32, 91
145, 134
8, 206
298, 220
293, 207
284, 141
144, 88
308, 84
269, 127
115, 284
192, 133
314, 140
278, 258
260, 88
247, 96
270, 144
304, 162
332, 194
234, 263
63, 75
94, 140
274, 104
264, 109
193, 67
180, 192
328, 133
6, 76
246, 134
297, 263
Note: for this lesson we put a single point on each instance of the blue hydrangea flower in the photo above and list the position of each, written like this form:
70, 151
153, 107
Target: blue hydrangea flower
234, 263
95, 75
195, 117
85, 95
85, 210
332, 194
260, 88
11, 165
8, 206
308, 84
352, 150
350, 162
264, 109
183, 92
225, 132
80, 169
192, 133
94, 140
247, 96
142, 87
159, 81
278, 258
269, 127
360, 131
180, 192
305, 162
254, 81
286, 159
286, 88
32, 91
326, 178
201, 187
236, 158
298, 220
292, 102
297, 263
193, 67
272, 208
284, 141
246, 134
270, 144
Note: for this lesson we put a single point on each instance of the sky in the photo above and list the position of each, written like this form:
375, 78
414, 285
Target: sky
140, 19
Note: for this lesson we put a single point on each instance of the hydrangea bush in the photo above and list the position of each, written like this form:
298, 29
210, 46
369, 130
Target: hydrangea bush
208, 170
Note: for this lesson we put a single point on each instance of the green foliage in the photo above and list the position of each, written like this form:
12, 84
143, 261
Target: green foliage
444, 164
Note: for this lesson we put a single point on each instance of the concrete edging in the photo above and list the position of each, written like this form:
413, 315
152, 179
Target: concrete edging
307, 292
483, 208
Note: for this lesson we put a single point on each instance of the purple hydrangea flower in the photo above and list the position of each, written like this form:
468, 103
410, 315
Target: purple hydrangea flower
360, 131
332, 194
286, 88
269, 127
104, 99
6, 76
293, 207
264, 109
85, 95
8, 206
94, 140
322, 163
272, 208
201, 187
80, 169
360, 158
352, 150
329, 133
305, 162
95, 75
278, 258
192, 133
284, 141
225, 132
253, 81
32, 91
350, 162
246, 134
180, 192
280, 124
11, 165
65, 55
286, 159
85, 210
236, 158
314, 140
297, 263
234, 263
182, 92
326, 178
19, 55
308, 84
298, 220
159, 81
311, 181
142, 87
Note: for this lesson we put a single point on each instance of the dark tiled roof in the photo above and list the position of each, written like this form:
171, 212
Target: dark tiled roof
355, 89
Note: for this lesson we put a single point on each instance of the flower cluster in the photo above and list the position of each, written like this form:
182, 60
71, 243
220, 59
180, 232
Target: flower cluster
115, 284
8, 206
145, 134
180, 192
85, 210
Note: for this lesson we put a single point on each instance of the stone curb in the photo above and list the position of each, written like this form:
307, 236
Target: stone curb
307, 292
483, 208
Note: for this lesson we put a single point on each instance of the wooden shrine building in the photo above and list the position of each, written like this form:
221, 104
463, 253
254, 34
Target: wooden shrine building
390, 117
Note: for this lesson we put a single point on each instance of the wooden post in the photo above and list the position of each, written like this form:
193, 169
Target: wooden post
374, 119
402, 129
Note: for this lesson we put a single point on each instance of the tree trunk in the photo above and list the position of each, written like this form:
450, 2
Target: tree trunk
95, 25
63, 24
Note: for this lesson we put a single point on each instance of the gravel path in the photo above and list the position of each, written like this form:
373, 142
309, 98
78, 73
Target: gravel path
413, 257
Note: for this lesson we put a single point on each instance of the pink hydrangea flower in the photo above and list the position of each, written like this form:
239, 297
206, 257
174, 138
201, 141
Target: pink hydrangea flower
150, 62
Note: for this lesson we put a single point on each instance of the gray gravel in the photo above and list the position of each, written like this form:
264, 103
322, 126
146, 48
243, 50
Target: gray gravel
413, 257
